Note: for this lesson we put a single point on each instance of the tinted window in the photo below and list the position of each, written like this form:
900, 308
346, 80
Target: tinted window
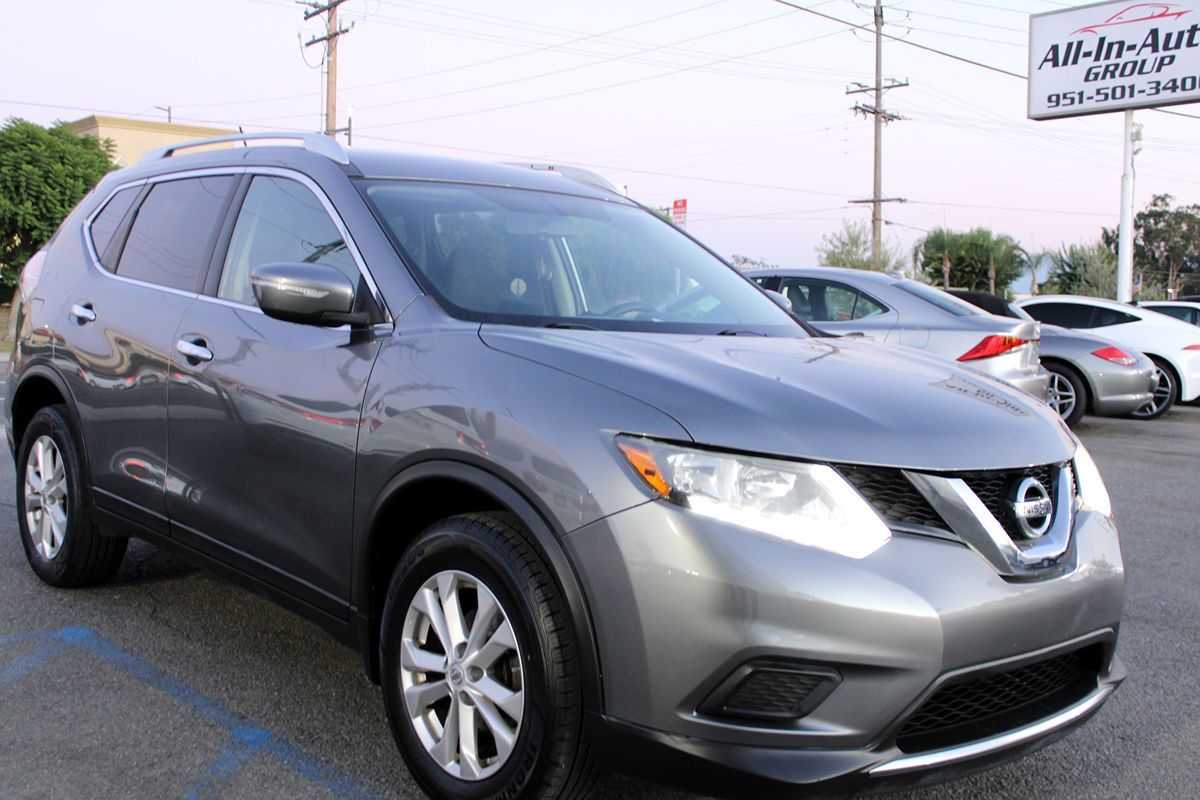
1111, 316
281, 220
170, 237
105, 225
1178, 312
1068, 315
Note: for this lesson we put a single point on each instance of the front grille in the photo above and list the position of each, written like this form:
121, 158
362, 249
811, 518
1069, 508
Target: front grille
992, 488
896, 500
771, 693
893, 496
982, 706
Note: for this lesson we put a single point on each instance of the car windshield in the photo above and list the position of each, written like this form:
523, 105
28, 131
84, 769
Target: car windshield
943, 300
533, 258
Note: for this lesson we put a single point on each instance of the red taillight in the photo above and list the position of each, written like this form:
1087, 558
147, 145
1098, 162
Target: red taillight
1115, 355
1192, 347
992, 346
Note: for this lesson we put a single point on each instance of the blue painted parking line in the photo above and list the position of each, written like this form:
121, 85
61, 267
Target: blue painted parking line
30, 662
245, 739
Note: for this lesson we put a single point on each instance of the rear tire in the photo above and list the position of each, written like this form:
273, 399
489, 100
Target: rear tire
1068, 394
480, 666
1166, 391
62, 542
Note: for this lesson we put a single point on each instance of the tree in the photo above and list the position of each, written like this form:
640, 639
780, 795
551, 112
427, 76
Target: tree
1091, 270
851, 247
965, 260
1166, 244
745, 262
44, 173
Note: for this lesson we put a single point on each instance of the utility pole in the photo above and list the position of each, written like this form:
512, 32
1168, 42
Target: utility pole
881, 117
332, 32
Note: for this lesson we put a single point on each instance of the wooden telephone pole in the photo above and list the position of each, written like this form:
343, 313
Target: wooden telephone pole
881, 116
332, 32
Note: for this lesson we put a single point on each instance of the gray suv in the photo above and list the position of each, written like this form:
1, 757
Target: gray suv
578, 492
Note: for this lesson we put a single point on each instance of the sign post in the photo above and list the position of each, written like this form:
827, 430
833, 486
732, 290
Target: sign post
679, 213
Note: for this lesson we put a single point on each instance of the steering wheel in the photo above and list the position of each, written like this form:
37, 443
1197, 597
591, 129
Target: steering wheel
628, 307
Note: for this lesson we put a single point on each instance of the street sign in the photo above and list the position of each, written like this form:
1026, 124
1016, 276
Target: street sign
679, 213
1113, 56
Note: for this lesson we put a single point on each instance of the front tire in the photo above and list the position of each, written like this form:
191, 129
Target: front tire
62, 543
480, 667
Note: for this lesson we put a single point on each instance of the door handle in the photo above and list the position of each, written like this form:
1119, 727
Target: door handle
83, 313
194, 351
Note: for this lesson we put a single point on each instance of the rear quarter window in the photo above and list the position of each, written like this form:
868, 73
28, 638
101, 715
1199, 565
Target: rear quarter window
105, 224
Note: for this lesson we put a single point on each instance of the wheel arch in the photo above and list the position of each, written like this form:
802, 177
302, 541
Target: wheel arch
41, 386
438, 487
1175, 371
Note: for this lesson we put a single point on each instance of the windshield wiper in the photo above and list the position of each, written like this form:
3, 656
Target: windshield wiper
573, 326
737, 332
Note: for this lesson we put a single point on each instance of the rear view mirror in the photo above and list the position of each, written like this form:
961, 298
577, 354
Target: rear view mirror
309, 294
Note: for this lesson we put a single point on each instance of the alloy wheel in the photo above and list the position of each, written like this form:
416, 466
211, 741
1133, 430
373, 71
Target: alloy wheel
460, 672
1164, 390
46, 497
1061, 395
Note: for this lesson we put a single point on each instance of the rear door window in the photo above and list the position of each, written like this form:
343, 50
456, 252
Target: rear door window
821, 301
172, 235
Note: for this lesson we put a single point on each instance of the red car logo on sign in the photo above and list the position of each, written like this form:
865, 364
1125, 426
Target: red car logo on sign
1142, 12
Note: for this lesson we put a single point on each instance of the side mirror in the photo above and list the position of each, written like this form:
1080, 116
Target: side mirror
780, 300
310, 294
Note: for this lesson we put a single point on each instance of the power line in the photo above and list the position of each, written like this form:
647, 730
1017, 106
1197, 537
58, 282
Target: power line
563, 70
900, 39
605, 86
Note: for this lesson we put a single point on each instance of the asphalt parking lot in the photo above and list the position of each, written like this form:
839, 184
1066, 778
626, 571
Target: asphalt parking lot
171, 683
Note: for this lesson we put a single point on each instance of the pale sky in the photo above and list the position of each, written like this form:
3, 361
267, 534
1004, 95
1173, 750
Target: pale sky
739, 106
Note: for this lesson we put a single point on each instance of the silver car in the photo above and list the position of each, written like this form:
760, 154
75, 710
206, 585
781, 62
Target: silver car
875, 305
1088, 374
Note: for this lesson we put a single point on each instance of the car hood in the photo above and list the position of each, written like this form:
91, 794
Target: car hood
823, 399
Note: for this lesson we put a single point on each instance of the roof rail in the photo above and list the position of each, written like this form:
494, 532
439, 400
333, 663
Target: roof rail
314, 142
577, 174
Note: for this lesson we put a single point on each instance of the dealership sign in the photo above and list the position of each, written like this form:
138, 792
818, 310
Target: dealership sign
1113, 56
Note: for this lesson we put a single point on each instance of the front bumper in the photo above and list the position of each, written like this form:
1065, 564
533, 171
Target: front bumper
736, 771
680, 602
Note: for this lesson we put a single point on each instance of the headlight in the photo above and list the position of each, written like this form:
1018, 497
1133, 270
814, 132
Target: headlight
809, 504
1092, 492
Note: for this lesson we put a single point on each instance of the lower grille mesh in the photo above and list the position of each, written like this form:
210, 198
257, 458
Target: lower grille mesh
770, 693
978, 707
